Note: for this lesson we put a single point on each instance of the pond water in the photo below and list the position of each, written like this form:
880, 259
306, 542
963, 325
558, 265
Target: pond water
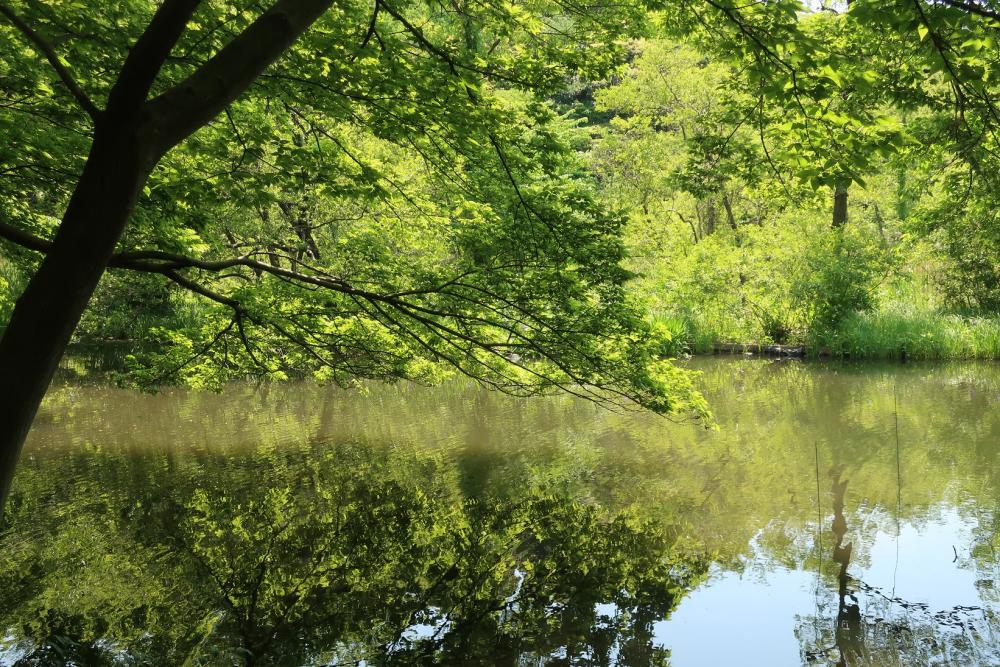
839, 514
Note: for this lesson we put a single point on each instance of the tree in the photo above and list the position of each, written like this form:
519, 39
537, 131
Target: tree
217, 148
677, 148
522, 289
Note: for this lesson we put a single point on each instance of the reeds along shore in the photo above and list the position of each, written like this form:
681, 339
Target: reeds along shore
890, 334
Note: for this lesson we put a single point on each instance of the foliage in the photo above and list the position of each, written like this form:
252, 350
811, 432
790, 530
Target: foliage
782, 284
965, 234
388, 201
776, 272
842, 273
127, 306
414, 203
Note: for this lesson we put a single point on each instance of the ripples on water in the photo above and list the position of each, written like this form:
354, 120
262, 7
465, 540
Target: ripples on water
294, 524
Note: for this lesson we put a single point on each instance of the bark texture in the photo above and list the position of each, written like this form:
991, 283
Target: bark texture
130, 137
50, 307
839, 206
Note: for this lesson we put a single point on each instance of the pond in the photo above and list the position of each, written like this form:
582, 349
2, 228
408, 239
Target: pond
838, 514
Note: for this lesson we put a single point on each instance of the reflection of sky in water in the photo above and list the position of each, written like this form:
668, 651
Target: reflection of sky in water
928, 571
739, 620
10, 650
758, 617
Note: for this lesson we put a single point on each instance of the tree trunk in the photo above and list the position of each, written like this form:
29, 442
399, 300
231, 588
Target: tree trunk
839, 206
48, 311
729, 213
711, 217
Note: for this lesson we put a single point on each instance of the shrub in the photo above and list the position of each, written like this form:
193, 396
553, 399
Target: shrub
842, 274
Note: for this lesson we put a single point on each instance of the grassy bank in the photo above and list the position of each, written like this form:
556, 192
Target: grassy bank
911, 334
895, 333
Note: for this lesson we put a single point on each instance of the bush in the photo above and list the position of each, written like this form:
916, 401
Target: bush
787, 282
842, 275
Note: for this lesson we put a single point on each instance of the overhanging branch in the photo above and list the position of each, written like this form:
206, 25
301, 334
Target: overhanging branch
440, 326
973, 8
23, 238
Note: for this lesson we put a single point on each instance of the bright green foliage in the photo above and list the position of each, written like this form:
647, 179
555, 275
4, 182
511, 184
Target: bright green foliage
401, 197
676, 153
796, 104
909, 333
780, 284
394, 199
774, 271
841, 274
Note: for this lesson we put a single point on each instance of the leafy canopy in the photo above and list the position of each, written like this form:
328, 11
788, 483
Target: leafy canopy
394, 199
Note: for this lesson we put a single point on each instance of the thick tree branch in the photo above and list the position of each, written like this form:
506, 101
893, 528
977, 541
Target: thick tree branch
23, 238
167, 264
148, 54
192, 103
50, 54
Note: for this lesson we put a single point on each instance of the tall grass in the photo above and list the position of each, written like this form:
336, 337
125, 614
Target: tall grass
895, 331
911, 333
688, 335
911, 322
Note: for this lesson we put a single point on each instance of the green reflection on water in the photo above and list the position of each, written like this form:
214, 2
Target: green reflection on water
295, 524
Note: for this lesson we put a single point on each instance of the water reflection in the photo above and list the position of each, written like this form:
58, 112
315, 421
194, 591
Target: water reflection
848, 633
300, 525
327, 553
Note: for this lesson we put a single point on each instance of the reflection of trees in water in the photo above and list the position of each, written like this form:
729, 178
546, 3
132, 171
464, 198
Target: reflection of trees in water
329, 553
873, 627
750, 489
892, 631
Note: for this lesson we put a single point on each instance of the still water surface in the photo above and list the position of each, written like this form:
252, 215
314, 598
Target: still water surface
838, 515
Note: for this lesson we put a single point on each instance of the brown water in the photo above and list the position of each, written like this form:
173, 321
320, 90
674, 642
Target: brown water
838, 515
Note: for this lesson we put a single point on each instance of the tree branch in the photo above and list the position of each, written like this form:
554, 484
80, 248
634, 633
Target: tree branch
445, 327
453, 63
204, 291
23, 238
371, 26
192, 103
973, 8
148, 54
49, 52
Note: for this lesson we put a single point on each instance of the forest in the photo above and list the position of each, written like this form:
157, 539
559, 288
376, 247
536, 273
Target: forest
411, 195
760, 174
552, 200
